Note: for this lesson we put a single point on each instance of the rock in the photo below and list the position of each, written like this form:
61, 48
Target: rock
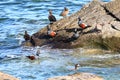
4, 76
27, 43
102, 17
78, 76
113, 7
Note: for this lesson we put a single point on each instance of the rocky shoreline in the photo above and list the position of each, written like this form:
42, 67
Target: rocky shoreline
4, 76
78, 76
103, 18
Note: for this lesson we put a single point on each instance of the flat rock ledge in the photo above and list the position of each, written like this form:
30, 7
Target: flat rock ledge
4, 76
78, 76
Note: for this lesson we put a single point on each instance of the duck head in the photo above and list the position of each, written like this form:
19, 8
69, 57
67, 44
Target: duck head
50, 11
25, 32
65, 8
75, 30
79, 18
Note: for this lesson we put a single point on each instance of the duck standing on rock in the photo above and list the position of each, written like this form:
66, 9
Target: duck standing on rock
26, 36
81, 24
76, 34
64, 12
50, 33
51, 17
73, 37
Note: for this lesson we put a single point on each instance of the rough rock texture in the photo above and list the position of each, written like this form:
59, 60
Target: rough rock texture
78, 76
114, 8
4, 76
102, 17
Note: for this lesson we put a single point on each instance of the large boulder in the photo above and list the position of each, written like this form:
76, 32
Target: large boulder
78, 76
102, 17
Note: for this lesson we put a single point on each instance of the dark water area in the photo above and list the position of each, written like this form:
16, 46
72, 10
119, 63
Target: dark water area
16, 16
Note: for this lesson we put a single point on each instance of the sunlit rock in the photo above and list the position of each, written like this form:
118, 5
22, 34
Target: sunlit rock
78, 76
4, 76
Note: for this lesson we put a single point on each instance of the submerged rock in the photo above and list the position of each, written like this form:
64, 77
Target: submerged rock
78, 76
103, 19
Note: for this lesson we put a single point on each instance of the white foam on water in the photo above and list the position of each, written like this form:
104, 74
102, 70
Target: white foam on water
105, 56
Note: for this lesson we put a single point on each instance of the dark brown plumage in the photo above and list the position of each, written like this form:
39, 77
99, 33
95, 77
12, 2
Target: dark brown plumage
51, 17
26, 36
31, 57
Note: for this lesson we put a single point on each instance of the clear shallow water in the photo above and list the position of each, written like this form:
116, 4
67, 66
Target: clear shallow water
16, 16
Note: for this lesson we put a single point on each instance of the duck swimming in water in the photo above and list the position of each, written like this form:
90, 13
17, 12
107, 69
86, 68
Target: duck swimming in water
76, 66
64, 12
34, 56
26, 36
38, 53
51, 17
31, 57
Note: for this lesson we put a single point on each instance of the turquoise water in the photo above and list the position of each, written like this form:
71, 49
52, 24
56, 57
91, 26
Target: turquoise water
16, 16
